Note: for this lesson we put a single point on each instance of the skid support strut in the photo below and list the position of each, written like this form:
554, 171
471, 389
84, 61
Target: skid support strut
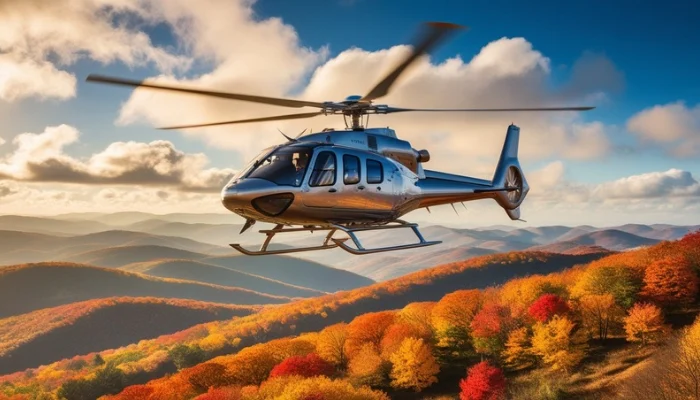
350, 231
279, 228
337, 242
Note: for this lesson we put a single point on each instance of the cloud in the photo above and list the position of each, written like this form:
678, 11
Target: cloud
550, 185
675, 126
667, 184
34, 198
507, 72
41, 158
39, 38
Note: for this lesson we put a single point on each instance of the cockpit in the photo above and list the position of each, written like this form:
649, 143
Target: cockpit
284, 166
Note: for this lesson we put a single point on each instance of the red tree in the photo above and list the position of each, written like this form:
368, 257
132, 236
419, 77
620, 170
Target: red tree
547, 306
670, 282
483, 382
490, 320
306, 366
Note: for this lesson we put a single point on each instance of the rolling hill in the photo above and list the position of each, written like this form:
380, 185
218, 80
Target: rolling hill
20, 247
214, 274
29, 287
611, 239
50, 334
294, 271
317, 313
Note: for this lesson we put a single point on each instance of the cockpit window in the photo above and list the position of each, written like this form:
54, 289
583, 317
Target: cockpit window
285, 166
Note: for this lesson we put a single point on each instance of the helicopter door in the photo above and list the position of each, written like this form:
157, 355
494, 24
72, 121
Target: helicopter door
323, 187
380, 190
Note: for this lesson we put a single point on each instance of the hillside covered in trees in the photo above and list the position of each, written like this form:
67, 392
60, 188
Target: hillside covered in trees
540, 326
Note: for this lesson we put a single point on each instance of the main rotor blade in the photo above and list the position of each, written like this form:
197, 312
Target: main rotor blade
395, 109
233, 96
241, 121
433, 33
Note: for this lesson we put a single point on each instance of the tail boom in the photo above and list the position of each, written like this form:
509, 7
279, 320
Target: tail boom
508, 186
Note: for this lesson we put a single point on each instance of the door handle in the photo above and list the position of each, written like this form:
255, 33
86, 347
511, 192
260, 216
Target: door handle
332, 190
361, 187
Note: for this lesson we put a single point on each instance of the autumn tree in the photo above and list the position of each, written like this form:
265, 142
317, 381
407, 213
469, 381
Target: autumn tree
619, 281
184, 356
483, 382
368, 368
559, 343
547, 306
419, 315
520, 293
644, 323
671, 282
394, 336
367, 328
451, 320
600, 314
206, 375
305, 366
490, 328
331, 344
413, 365
517, 352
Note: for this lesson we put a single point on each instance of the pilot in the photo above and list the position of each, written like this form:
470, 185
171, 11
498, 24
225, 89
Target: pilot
299, 160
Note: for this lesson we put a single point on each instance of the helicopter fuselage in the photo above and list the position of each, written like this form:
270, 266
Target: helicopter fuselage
344, 177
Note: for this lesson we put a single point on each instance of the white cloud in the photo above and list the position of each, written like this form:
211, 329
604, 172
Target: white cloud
674, 125
23, 77
40, 37
667, 184
41, 158
506, 72
32, 198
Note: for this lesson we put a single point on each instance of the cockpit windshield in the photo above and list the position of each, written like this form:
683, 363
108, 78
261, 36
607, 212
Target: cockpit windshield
285, 166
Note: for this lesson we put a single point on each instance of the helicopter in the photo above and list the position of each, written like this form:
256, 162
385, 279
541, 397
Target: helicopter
355, 179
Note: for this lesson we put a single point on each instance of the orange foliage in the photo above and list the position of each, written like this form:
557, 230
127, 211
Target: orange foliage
670, 282
395, 334
420, 315
364, 337
331, 344
367, 328
644, 323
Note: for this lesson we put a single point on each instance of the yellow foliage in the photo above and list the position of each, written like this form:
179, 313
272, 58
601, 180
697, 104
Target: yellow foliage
599, 314
213, 342
293, 388
419, 314
368, 367
518, 294
331, 344
414, 366
644, 323
517, 353
559, 345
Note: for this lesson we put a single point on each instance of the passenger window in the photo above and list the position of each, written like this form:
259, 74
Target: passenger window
351, 169
324, 170
375, 173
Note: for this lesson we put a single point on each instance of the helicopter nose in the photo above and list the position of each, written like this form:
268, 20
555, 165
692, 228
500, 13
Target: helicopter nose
254, 195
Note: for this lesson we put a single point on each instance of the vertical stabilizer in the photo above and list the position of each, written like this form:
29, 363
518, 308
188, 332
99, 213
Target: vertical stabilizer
509, 176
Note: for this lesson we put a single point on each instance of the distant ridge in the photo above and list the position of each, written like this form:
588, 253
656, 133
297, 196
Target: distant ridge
51, 334
29, 287
214, 274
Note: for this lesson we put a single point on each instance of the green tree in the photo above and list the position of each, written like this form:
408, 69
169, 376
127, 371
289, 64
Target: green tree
184, 356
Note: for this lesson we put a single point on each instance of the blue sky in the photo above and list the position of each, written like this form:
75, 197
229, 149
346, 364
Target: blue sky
651, 44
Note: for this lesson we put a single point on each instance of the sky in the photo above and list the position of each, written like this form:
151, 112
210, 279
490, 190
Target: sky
67, 145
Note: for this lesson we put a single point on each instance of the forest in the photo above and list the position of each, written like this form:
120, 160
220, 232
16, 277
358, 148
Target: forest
519, 340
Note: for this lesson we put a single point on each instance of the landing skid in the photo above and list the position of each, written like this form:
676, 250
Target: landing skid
337, 242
